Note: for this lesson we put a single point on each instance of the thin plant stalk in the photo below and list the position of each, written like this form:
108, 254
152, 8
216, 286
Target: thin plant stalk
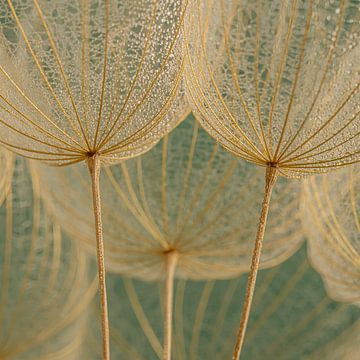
171, 261
270, 180
94, 168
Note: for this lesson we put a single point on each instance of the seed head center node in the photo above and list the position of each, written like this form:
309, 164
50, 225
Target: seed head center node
272, 164
169, 251
91, 154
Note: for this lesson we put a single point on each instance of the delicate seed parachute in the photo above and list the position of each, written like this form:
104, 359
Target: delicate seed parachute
281, 89
276, 83
79, 78
90, 81
45, 281
331, 217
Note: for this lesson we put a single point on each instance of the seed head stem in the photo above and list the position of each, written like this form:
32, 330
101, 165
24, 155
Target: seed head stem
270, 180
94, 168
171, 261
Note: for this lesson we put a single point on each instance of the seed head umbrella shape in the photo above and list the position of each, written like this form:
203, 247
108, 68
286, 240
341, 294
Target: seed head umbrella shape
182, 210
331, 210
277, 83
45, 281
89, 81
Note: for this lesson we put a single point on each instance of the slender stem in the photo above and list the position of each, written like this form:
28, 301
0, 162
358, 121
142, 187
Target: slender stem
171, 260
94, 168
270, 180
